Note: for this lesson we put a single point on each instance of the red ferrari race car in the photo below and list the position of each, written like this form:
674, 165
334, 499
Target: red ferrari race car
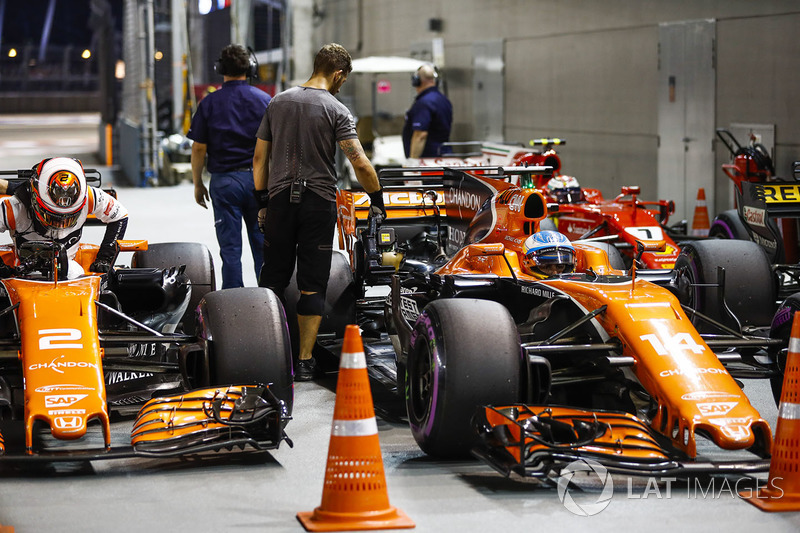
597, 353
154, 340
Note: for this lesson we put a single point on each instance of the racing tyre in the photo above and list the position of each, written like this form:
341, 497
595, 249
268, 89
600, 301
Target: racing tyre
547, 224
729, 225
340, 300
750, 287
781, 328
465, 353
614, 257
247, 340
199, 268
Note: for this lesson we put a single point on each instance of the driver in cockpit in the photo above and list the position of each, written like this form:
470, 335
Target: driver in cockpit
54, 206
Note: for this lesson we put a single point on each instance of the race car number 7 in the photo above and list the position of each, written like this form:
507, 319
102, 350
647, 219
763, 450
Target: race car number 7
52, 339
679, 341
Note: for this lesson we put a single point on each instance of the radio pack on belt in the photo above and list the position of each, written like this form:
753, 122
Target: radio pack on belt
296, 191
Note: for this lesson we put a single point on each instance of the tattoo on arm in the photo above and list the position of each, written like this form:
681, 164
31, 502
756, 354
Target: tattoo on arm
352, 149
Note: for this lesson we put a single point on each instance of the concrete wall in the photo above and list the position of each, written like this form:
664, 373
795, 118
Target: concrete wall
588, 71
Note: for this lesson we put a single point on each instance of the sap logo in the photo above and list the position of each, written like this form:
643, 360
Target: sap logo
716, 408
68, 422
63, 400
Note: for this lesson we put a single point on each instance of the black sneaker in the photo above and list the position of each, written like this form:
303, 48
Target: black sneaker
305, 370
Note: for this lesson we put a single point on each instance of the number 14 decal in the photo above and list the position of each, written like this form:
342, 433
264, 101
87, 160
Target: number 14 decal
679, 341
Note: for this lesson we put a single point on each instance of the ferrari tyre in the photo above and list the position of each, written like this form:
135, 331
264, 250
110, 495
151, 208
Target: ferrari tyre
247, 340
465, 353
750, 287
340, 300
199, 268
729, 225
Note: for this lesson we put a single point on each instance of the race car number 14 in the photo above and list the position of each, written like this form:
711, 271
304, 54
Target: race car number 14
679, 341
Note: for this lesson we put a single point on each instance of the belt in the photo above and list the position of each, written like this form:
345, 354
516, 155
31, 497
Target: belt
240, 169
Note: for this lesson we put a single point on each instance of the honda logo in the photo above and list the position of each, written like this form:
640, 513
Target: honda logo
68, 422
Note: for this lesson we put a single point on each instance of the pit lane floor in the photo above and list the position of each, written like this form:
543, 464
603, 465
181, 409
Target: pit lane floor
263, 492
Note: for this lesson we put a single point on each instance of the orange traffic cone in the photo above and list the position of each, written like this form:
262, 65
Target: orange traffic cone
700, 222
782, 492
354, 493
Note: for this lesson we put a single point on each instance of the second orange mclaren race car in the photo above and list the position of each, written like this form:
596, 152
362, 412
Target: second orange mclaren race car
531, 371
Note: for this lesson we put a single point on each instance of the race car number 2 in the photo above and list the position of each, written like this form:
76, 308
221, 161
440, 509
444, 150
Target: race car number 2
679, 341
54, 339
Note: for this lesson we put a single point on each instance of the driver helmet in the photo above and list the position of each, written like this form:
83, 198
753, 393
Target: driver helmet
565, 189
58, 192
547, 253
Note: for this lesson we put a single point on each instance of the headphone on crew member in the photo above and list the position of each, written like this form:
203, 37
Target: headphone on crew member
416, 81
250, 71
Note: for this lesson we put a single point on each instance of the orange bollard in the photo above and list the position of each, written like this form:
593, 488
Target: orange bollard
700, 222
782, 492
354, 495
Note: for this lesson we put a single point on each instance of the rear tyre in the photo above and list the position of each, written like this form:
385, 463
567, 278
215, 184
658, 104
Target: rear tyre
728, 225
199, 268
340, 300
750, 287
614, 257
464, 354
247, 340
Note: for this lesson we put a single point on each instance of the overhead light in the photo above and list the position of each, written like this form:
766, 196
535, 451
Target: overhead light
86, 54
12, 52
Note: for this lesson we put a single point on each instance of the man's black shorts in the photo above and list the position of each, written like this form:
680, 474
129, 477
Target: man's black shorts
298, 232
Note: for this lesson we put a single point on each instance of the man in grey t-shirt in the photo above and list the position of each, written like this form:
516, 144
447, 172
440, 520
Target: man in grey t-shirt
294, 174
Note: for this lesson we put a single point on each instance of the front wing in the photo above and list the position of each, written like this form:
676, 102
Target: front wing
194, 422
533, 441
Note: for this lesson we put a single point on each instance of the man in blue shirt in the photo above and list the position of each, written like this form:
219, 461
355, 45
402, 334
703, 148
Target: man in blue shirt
428, 121
224, 128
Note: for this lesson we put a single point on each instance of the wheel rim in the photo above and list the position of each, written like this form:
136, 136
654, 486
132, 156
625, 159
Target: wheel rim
420, 384
685, 291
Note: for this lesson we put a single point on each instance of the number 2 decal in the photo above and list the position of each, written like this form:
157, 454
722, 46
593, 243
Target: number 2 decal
52, 339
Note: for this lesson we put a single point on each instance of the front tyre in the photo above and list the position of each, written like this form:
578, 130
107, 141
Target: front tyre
750, 287
465, 353
247, 340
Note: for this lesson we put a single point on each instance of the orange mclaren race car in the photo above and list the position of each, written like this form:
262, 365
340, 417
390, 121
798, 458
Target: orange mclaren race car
531, 370
152, 339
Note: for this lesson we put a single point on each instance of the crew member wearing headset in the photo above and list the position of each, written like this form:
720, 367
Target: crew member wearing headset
428, 121
224, 128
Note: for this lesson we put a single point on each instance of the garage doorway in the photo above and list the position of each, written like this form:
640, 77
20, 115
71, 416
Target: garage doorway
686, 114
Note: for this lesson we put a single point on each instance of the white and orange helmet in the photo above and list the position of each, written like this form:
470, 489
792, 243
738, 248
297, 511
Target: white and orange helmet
58, 191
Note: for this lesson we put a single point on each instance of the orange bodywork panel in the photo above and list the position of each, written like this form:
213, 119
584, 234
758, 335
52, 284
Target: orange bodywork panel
693, 389
62, 361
